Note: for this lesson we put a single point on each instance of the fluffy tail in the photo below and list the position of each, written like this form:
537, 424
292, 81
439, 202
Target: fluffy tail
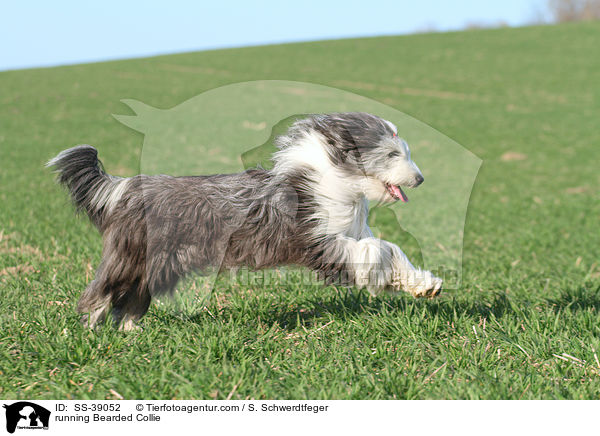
92, 190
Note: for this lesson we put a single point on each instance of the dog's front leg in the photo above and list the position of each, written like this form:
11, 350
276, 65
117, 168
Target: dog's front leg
379, 265
405, 277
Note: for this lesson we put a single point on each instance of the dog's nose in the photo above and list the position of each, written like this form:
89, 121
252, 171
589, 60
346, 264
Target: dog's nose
418, 180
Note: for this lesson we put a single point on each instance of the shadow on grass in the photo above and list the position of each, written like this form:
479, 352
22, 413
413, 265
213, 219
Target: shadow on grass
346, 305
578, 299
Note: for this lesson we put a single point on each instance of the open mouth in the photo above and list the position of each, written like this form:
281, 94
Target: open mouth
396, 192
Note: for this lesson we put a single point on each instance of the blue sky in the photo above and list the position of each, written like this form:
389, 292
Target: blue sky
65, 32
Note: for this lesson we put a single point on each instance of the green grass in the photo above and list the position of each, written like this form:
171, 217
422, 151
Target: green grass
531, 279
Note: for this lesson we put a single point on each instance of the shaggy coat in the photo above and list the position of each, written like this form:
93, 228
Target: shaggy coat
309, 210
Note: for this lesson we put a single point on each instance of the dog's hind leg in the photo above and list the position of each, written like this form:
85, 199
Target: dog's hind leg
94, 304
130, 307
113, 287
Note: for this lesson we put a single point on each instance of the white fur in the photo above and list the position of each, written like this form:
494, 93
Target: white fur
109, 194
340, 199
343, 211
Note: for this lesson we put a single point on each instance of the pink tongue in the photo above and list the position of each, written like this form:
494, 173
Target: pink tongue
398, 193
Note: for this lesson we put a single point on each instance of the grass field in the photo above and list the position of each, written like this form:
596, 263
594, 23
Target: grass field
525, 323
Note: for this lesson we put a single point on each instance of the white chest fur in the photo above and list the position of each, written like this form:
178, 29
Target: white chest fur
359, 228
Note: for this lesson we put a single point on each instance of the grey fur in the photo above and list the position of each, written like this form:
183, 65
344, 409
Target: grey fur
160, 227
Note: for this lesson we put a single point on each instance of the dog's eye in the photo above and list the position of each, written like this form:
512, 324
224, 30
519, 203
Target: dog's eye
394, 154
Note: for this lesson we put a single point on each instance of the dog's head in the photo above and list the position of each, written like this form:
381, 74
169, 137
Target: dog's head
366, 148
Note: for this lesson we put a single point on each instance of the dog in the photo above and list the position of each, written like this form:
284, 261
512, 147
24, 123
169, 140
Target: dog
309, 210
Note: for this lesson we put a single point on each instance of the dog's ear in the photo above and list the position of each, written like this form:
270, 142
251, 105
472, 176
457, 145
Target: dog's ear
342, 137
339, 153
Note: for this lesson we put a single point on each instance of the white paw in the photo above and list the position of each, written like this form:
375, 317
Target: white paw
419, 284
129, 326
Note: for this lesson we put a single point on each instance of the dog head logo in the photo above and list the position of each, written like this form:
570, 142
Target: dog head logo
26, 415
234, 127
